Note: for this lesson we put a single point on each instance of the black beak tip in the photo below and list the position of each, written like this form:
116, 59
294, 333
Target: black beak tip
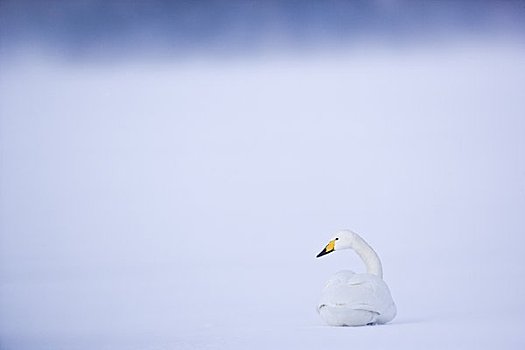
323, 252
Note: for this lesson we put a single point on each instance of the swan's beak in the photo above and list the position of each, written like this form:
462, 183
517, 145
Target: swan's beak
328, 249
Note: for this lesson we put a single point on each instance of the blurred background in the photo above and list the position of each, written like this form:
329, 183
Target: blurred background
170, 169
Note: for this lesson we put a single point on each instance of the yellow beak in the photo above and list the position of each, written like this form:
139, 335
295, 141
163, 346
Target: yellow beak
328, 249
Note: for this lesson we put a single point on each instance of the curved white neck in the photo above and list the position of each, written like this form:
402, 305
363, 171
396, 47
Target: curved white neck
368, 255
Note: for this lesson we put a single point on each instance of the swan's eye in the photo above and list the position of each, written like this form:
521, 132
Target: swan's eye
336, 238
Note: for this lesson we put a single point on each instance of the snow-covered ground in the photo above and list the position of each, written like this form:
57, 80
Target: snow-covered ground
158, 205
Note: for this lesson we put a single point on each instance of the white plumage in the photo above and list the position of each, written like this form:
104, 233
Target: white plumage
351, 299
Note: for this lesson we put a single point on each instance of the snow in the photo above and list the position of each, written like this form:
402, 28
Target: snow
158, 205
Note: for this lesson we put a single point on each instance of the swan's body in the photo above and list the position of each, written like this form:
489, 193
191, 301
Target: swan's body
351, 299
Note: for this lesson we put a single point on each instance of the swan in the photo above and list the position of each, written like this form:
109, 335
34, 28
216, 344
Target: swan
356, 299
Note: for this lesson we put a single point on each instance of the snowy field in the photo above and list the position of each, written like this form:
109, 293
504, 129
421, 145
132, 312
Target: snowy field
180, 205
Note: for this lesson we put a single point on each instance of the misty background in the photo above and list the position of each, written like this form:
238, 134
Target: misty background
169, 170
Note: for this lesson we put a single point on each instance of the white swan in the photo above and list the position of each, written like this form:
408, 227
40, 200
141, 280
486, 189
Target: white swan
351, 299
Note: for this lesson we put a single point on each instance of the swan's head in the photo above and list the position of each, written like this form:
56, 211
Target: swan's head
343, 239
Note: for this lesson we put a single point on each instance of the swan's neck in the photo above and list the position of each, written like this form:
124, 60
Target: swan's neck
368, 255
